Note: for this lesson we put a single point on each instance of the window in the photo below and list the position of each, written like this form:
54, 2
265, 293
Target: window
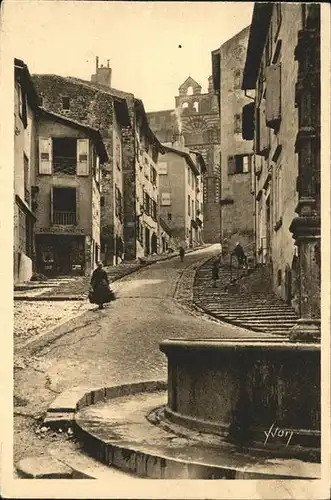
147, 204
65, 102
153, 177
190, 90
237, 79
185, 108
163, 168
169, 216
154, 210
165, 199
118, 204
196, 106
63, 206
26, 179
64, 156
237, 124
239, 164
189, 205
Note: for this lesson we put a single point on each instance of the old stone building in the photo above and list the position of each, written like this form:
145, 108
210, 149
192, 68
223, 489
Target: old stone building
180, 195
111, 112
147, 149
68, 181
236, 153
283, 67
25, 108
195, 116
115, 114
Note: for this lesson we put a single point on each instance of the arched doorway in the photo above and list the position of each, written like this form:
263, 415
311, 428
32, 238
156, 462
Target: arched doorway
154, 243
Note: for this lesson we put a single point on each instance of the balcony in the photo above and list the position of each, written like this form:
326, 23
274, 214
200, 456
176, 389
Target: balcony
64, 218
64, 165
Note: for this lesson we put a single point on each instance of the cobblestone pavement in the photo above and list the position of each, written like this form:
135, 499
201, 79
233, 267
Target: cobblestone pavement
119, 344
34, 317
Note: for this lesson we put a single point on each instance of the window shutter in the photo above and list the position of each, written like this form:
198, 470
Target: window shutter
231, 165
45, 156
248, 121
262, 132
273, 95
82, 157
51, 210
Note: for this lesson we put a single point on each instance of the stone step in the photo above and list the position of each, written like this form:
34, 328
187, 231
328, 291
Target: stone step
153, 452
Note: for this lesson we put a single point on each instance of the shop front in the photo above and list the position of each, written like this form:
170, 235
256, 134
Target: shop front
61, 254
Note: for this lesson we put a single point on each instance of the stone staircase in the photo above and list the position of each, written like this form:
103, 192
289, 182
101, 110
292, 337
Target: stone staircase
247, 301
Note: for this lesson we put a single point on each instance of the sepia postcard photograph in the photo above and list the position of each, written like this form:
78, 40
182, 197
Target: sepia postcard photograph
165, 244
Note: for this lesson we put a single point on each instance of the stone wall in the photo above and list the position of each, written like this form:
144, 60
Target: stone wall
94, 106
237, 220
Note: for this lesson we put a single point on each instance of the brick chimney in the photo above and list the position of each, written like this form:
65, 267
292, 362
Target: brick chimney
102, 74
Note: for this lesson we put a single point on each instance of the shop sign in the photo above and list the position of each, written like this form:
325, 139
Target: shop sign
60, 230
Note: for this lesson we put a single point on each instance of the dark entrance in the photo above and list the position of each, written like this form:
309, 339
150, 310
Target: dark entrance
147, 241
154, 243
60, 255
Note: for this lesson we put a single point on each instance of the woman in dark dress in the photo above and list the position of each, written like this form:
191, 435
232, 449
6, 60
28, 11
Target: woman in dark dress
100, 286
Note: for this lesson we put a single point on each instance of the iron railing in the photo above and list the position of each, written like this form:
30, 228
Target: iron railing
64, 218
64, 165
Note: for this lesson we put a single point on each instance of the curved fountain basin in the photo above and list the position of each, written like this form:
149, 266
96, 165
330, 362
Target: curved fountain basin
254, 394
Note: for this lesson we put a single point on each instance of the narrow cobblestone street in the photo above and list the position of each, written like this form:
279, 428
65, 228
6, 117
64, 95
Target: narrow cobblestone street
117, 345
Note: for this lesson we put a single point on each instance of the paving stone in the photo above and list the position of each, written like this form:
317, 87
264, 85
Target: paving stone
43, 467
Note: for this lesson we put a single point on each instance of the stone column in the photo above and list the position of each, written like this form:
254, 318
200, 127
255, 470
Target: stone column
306, 228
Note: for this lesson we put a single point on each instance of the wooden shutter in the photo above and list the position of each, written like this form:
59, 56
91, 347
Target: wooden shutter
248, 121
45, 156
273, 95
82, 157
231, 165
262, 131
51, 209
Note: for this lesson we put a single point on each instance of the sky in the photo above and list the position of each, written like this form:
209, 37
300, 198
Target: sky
141, 39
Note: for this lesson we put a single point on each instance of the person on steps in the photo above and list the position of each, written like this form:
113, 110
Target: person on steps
238, 251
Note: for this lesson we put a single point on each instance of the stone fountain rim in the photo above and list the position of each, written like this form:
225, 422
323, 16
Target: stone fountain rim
217, 344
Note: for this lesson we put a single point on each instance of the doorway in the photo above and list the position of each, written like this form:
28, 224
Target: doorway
147, 241
154, 243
